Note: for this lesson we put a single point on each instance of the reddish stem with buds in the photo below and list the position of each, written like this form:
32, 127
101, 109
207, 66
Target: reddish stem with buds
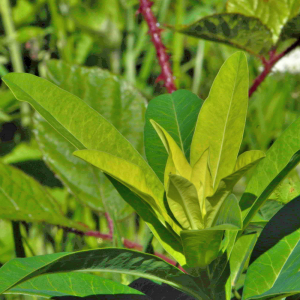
269, 64
155, 32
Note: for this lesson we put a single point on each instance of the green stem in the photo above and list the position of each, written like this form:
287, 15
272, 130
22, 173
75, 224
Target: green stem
198, 67
15, 52
130, 55
178, 40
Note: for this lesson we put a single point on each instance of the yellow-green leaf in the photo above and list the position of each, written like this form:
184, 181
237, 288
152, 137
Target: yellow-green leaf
183, 201
221, 121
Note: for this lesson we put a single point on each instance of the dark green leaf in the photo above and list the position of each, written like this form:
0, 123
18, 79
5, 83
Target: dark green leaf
239, 31
104, 260
177, 113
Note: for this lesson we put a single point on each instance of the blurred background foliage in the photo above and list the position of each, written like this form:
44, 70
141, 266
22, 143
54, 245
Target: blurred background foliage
108, 34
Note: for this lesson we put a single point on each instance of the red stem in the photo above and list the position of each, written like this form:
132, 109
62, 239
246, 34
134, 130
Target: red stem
155, 32
269, 64
127, 243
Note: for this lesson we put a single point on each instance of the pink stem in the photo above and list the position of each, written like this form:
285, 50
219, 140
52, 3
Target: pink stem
110, 224
269, 64
127, 243
166, 72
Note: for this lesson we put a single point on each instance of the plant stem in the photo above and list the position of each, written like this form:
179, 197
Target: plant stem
269, 64
19, 248
15, 52
127, 243
198, 67
166, 72
130, 55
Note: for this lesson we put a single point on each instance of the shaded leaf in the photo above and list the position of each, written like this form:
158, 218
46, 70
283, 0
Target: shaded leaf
71, 284
24, 199
291, 29
239, 31
273, 13
104, 260
177, 113
221, 122
275, 261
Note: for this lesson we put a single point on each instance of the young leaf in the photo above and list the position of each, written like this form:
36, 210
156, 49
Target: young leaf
183, 201
180, 162
240, 31
274, 264
114, 260
274, 14
177, 118
24, 199
221, 121
73, 284
279, 161
201, 247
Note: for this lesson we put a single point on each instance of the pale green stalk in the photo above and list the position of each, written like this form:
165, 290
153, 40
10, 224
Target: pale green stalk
198, 67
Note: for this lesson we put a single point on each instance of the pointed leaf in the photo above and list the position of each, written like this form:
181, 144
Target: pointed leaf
177, 113
273, 13
240, 31
274, 270
183, 201
180, 162
280, 159
221, 121
201, 247
81, 126
103, 260
24, 199
72, 284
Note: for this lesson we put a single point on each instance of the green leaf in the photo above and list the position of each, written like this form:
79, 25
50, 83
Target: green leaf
103, 260
177, 113
166, 236
280, 159
291, 29
221, 121
180, 162
240, 255
71, 284
273, 13
201, 247
183, 201
274, 265
240, 31
24, 199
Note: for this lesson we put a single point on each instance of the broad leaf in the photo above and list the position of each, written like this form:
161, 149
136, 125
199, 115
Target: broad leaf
103, 260
273, 13
240, 255
291, 29
177, 113
88, 184
183, 201
275, 261
240, 31
221, 121
201, 247
24, 199
279, 161
73, 284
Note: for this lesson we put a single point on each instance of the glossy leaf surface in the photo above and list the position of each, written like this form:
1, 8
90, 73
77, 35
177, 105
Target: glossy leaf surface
273, 13
177, 113
279, 161
103, 260
221, 122
275, 261
72, 284
240, 31
24, 199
